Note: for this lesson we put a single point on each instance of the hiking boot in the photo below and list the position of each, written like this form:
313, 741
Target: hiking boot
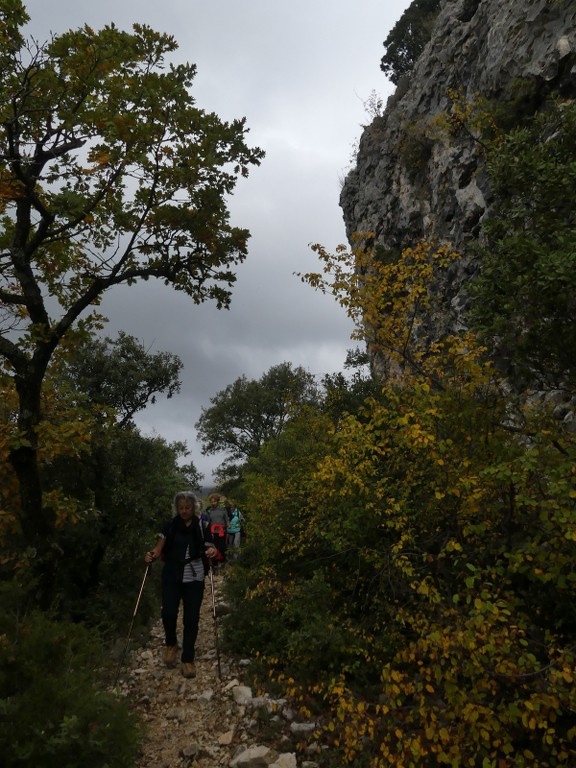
171, 655
188, 669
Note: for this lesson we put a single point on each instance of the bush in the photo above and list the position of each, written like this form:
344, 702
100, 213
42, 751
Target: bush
523, 296
52, 712
408, 38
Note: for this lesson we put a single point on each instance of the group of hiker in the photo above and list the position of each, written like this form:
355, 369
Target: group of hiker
225, 521
191, 543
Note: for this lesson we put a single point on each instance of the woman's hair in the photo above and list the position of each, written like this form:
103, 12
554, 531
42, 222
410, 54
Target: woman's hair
188, 496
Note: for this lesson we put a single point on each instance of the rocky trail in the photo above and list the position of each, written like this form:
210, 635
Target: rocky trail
205, 721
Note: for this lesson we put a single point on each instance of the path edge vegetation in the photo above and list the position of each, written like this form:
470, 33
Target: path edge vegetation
409, 570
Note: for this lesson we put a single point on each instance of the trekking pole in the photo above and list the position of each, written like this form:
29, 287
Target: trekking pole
215, 623
120, 663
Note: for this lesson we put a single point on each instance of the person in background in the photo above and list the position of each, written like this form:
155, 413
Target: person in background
202, 516
235, 523
224, 502
182, 544
218, 525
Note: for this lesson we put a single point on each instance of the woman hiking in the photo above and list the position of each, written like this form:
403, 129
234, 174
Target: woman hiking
182, 543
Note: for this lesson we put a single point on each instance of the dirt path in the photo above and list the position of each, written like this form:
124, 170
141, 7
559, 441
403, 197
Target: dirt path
188, 721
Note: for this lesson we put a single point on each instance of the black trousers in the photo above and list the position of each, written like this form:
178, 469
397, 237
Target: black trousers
190, 594
219, 535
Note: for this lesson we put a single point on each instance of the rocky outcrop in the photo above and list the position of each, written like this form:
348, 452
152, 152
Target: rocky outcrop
409, 183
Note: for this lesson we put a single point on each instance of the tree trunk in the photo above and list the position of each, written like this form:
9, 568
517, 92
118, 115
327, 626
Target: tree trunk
37, 521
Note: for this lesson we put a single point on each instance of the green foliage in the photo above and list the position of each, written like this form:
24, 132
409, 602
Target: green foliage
246, 414
342, 393
52, 711
130, 482
519, 104
415, 148
121, 374
251, 628
418, 563
524, 295
408, 37
115, 492
126, 482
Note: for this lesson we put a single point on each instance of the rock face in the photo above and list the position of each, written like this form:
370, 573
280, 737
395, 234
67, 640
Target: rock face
409, 184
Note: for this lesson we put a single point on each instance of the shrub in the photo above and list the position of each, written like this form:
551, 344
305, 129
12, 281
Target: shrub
52, 711
408, 37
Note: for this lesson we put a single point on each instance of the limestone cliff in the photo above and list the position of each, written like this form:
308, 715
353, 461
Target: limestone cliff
407, 183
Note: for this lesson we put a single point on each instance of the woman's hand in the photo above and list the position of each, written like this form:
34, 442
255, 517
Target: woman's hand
150, 556
211, 551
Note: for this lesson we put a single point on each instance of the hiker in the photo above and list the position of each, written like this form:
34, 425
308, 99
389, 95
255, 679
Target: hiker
224, 502
218, 525
182, 544
235, 523
202, 516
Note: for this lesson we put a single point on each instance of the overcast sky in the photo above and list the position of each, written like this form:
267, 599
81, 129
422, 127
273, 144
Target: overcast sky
301, 72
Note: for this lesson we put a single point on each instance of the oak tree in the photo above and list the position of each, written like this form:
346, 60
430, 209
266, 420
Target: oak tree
407, 39
109, 174
247, 413
121, 374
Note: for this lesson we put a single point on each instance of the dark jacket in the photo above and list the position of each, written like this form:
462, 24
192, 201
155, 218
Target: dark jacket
179, 537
